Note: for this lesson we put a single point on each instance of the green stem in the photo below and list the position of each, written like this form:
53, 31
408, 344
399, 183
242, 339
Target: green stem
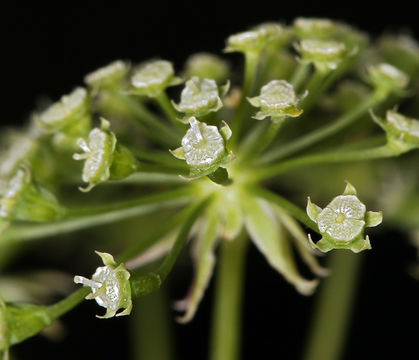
335, 301
326, 158
323, 132
149, 178
100, 215
286, 205
251, 65
226, 328
168, 109
159, 157
145, 284
315, 89
150, 328
299, 75
65, 305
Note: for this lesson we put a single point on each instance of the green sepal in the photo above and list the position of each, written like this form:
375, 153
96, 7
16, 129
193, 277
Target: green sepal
178, 153
312, 210
373, 218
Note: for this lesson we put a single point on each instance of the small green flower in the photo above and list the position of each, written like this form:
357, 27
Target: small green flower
342, 222
309, 28
209, 66
277, 100
66, 113
256, 39
199, 98
24, 199
109, 76
105, 158
152, 78
110, 287
402, 131
204, 148
326, 55
387, 78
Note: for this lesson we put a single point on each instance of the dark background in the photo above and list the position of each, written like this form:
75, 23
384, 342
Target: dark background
46, 51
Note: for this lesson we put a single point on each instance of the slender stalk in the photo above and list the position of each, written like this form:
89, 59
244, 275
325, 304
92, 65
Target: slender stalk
326, 158
251, 65
299, 75
286, 205
226, 328
168, 109
70, 302
314, 88
159, 157
333, 308
323, 132
149, 178
100, 215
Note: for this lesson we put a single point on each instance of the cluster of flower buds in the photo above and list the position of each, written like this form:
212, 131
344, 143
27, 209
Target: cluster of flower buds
110, 287
204, 148
104, 157
342, 222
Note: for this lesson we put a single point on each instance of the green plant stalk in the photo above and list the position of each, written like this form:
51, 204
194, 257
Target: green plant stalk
159, 157
300, 74
100, 215
60, 308
151, 333
168, 109
239, 117
226, 327
323, 132
315, 89
332, 314
379, 152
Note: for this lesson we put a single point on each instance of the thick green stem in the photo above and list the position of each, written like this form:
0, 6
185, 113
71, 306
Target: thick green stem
384, 151
251, 66
323, 132
226, 328
333, 308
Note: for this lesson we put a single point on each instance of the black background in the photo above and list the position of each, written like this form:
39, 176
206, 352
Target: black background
46, 50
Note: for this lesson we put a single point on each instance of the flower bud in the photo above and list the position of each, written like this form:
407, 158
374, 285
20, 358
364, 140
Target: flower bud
199, 98
204, 148
326, 55
277, 100
23, 199
402, 131
308, 28
152, 78
256, 39
65, 114
110, 287
387, 79
342, 222
105, 158
109, 76
209, 66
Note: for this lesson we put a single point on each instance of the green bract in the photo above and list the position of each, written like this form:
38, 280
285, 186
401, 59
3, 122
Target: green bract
387, 78
152, 78
199, 98
209, 66
108, 76
204, 148
110, 287
105, 158
402, 131
277, 100
256, 39
326, 55
24, 199
66, 113
342, 222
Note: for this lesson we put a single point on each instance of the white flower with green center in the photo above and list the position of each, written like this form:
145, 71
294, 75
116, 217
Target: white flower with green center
107, 76
342, 222
110, 287
277, 100
199, 98
307, 28
402, 132
387, 78
65, 112
152, 78
204, 148
326, 55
